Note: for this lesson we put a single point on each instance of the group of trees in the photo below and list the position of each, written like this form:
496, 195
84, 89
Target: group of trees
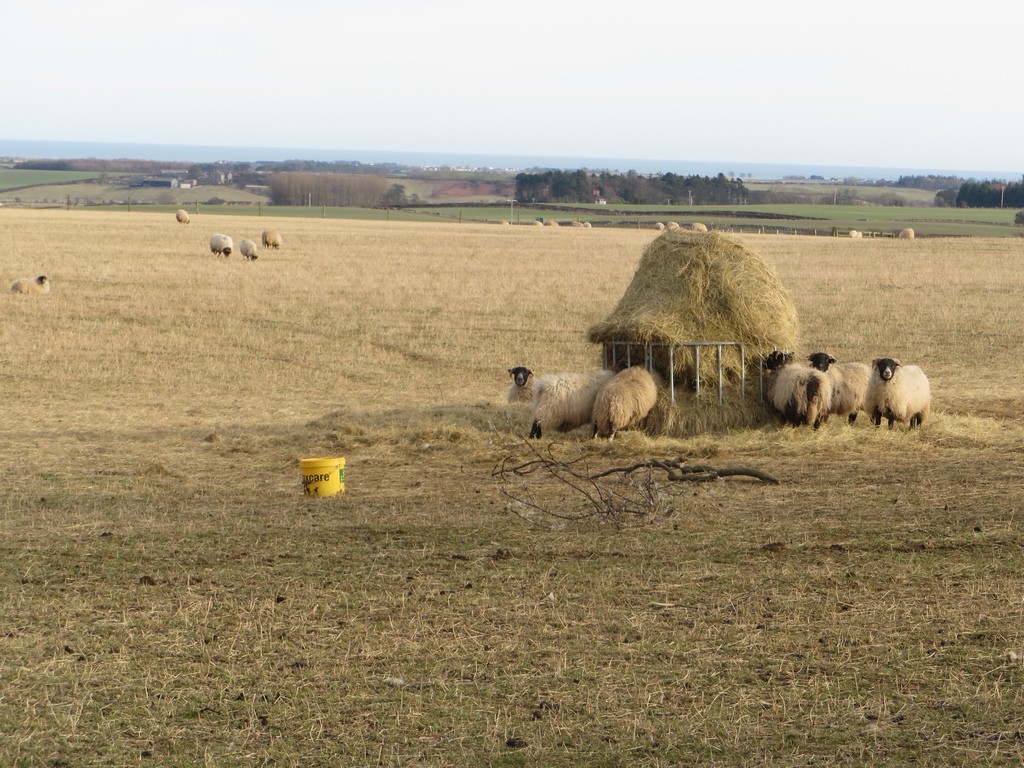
555, 186
990, 194
335, 189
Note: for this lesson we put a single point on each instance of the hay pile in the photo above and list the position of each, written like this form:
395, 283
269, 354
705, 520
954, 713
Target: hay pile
697, 286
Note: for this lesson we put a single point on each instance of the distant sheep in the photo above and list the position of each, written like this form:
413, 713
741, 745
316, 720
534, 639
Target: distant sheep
801, 394
897, 392
672, 225
906, 234
272, 239
31, 285
856, 234
565, 401
182, 216
221, 245
698, 227
249, 250
521, 388
625, 401
659, 226
849, 384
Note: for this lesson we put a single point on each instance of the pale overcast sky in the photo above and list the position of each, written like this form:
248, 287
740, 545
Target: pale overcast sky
894, 83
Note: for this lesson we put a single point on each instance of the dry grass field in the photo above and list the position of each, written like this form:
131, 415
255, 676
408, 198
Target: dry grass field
170, 598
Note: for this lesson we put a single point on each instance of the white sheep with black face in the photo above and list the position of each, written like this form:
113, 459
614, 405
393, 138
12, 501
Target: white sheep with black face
249, 250
798, 392
221, 245
521, 388
897, 392
565, 401
849, 384
39, 284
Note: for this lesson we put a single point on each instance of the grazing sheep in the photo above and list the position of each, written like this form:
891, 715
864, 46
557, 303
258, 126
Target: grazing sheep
849, 384
272, 239
897, 392
698, 227
906, 234
221, 245
249, 250
565, 401
801, 394
182, 216
659, 226
856, 234
625, 400
39, 284
672, 225
521, 388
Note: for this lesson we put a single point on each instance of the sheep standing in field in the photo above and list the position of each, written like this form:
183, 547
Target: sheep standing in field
856, 234
801, 394
906, 234
698, 227
182, 216
39, 284
521, 388
272, 239
849, 384
249, 250
221, 245
625, 400
565, 401
897, 392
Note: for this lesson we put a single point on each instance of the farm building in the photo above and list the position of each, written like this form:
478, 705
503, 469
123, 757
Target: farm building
701, 310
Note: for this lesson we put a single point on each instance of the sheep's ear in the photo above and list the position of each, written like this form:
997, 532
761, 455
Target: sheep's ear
831, 360
897, 362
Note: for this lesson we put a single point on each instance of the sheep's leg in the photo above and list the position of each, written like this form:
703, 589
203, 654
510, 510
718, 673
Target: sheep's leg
852, 418
876, 417
535, 430
892, 419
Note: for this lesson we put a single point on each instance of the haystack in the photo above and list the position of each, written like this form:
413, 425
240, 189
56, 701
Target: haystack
701, 287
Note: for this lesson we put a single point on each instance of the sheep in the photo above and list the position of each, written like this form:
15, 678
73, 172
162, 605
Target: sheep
659, 226
801, 394
897, 392
625, 400
182, 216
672, 225
698, 227
565, 401
249, 250
849, 384
521, 388
856, 234
272, 239
221, 245
906, 234
39, 284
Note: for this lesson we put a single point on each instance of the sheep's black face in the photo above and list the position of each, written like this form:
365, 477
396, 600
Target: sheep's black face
775, 360
821, 360
520, 375
886, 368
41, 280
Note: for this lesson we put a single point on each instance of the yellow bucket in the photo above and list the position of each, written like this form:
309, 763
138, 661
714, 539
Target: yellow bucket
322, 477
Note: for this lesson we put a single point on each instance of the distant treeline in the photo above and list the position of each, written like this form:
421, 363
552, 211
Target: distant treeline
334, 189
555, 186
991, 194
931, 182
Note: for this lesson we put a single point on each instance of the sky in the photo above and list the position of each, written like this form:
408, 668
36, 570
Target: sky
895, 83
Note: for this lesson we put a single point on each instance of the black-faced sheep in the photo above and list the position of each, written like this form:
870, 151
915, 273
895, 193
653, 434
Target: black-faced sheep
897, 392
39, 284
221, 245
625, 401
565, 401
521, 388
798, 392
849, 384
272, 239
182, 216
249, 250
